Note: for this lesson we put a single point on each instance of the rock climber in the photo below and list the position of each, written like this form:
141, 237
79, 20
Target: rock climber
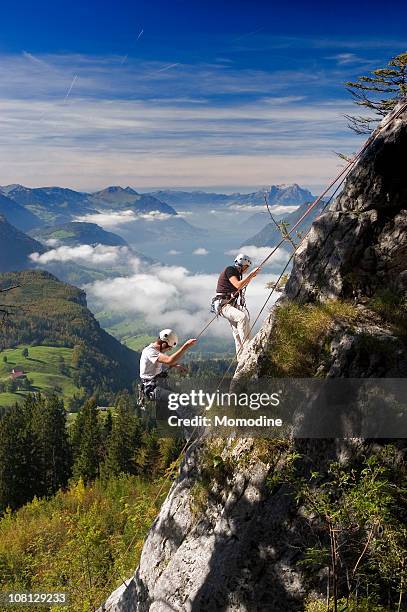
154, 364
229, 300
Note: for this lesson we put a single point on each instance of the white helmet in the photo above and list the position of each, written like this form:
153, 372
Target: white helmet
242, 260
169, 336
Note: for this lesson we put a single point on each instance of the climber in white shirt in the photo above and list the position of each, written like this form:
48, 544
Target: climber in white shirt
154, 362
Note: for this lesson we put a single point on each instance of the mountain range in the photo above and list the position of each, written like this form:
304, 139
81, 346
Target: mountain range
16, 214
75, 233
29, 208
127, 198
276, 194
51, 205
15, 247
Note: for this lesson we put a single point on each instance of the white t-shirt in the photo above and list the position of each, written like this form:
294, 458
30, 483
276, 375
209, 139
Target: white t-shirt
149, 364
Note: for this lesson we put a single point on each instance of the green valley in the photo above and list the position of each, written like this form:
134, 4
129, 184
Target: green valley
45, 312
48, 368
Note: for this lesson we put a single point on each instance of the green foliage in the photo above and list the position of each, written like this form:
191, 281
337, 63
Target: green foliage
392, 307
40, 447
198, 498
35, 455
84, 540
359, 515
344, 605
53, 451
17, 457
49, 312
379, 92
297, 334
87, 442
123, 441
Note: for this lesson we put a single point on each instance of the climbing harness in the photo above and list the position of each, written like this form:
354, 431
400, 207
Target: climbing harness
149, 385
237, 299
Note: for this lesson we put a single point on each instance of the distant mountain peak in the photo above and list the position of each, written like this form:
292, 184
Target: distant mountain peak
117, 189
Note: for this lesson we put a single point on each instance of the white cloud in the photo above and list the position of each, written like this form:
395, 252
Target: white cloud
109, 219
170, 296
84, 253
112, 218
201, 251
345, 58
52, 242
174, 252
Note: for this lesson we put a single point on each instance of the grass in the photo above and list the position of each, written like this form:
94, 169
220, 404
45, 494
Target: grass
392, 307
42, 366
297, 335
137, 343
83, 540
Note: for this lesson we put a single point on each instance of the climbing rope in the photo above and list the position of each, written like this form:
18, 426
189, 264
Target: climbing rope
341, 177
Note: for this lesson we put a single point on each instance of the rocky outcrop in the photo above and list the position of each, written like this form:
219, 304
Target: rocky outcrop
360, 243
239, 550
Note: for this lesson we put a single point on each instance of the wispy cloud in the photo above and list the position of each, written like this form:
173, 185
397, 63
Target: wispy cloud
193, 125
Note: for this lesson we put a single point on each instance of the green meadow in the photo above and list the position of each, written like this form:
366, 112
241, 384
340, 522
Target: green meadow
42, 366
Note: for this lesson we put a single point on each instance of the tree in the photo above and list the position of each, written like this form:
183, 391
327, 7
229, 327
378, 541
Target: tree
52, 444
24, 352
86, 442
124, 440
18, 461
379, 92
5, 308
12, 385
5, 358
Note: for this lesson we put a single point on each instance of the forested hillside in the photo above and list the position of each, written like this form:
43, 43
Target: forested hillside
46, 311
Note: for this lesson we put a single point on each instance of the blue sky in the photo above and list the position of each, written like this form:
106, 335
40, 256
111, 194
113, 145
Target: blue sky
214, 95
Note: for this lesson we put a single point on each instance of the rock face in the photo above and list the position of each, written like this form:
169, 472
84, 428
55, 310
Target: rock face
238, 551
241, 548
360, 243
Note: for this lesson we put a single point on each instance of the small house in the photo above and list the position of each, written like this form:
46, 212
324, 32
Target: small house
17, 373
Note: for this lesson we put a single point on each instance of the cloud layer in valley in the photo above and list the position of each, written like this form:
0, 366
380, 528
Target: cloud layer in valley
110, 219
170, 296
86, 254
164, 295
